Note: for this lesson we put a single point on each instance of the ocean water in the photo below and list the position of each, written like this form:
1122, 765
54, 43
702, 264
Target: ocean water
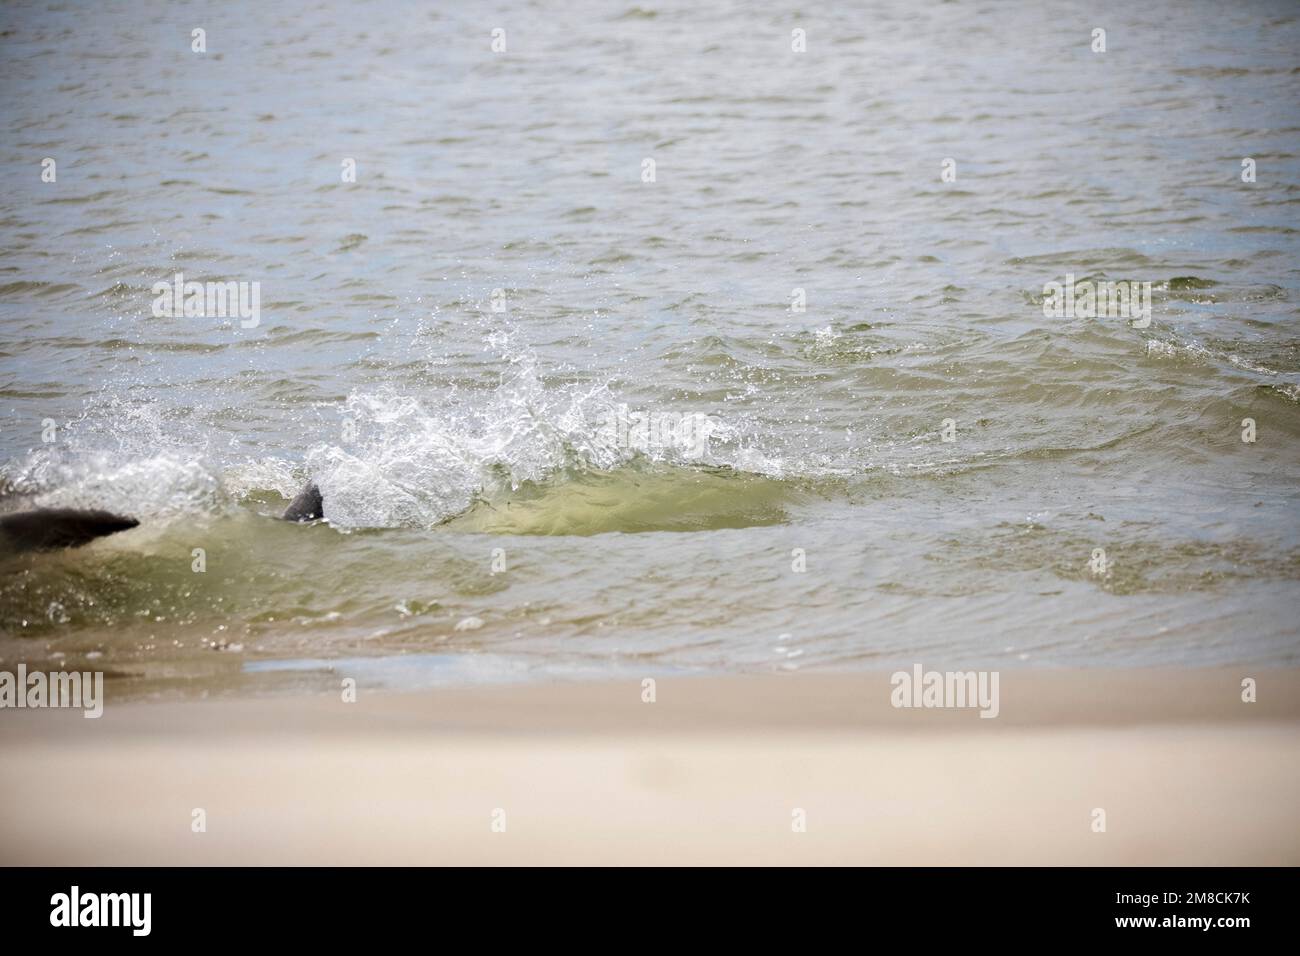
460, 346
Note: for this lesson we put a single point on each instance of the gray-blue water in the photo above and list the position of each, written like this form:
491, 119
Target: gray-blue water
446, 343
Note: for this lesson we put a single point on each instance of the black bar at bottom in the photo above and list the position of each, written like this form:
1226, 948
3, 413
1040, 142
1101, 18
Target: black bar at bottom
307, 905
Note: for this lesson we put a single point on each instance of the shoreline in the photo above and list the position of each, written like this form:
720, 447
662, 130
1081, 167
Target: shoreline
715, 770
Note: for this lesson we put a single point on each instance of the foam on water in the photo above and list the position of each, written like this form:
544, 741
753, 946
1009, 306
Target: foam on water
400, 460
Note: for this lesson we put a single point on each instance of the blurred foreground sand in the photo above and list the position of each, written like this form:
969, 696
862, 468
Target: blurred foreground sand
712, 772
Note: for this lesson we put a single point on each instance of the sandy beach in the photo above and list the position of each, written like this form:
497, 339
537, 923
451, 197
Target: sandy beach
386, 399
799, 769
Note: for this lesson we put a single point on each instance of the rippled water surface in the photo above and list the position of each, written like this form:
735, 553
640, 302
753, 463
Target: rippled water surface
484, 519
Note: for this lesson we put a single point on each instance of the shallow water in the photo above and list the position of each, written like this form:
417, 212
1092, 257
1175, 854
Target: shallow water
482, 507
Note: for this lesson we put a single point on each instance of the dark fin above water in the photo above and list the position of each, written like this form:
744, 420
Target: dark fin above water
308, 506
49, 528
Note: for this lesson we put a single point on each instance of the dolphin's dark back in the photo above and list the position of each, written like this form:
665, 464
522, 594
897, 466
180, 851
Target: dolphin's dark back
49, 528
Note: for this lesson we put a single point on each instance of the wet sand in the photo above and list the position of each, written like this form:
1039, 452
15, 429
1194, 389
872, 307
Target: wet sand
715, 770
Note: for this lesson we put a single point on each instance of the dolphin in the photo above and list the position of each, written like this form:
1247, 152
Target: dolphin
308, 506
47, 528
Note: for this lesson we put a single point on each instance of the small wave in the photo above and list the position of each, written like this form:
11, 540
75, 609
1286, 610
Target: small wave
411, 463
41, 289
632, 500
